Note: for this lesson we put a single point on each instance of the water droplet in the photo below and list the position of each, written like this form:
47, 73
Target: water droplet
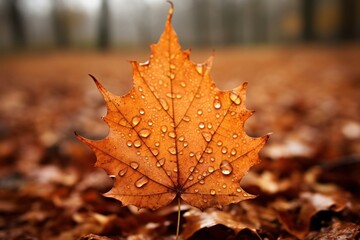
134, 165
238, 190
196, 190
224, 150
168, 173
204, 174
164, 104
142, 111
137, 143
225, 167
186, 118
129, 143
198, 155
178, 96
217, 104
219, 143
157, 144
185, 144
142, 96
170, 95
172, 66
207, 136
172, 150
123, 122
172, 76
205, 200
211, 169
199, 68
154, 151
212, 192
192, 169
191, 177
212, 159
201, 125
175, 169
135, 120
233, 151
201, 160
217, 115
199, 112
164, 128
209, 126
191, 154
141, 181
234, 135
172, 134
224, 186
181, 138
183, 84
208, 150
202, 182
123, 171
235, 98
144, 133
150, 123
160, 162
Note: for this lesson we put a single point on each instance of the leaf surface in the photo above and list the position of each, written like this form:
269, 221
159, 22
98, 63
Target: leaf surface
175, 134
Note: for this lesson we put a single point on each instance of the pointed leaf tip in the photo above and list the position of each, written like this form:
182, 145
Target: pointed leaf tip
171, 10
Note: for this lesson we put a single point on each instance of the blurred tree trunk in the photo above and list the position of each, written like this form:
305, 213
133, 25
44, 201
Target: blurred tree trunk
308, 7
200, 10
348, 16
104, 29
60, 24
17, 23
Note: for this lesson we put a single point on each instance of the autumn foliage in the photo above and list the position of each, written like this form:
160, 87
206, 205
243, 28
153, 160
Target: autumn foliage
175, 134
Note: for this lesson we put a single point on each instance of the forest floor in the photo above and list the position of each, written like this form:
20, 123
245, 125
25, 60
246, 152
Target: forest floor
307, 183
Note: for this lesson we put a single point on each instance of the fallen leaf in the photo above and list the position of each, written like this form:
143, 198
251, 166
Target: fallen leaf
196, 220
175, 134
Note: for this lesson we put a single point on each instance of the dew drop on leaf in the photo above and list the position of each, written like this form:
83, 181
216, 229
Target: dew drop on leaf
217, 104
129, 143
160, 162
201, 125
202, 182
142, 181
186, 118
235, 98
172, 134
225, 167
134, 165
212, 192
155, 152
164, 104
211, 169
233, 151
207, 136
224, 186
142, 111
224, 150
164, 128
144, 133
172, 150
137, 143
123, 171
135, 120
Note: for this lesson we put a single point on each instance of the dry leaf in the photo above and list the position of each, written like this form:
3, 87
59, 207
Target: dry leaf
196, 220
175, 134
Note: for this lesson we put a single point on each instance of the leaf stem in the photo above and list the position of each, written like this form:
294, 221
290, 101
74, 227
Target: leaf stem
178, 219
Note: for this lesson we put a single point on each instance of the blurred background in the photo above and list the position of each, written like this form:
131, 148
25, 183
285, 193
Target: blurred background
301, 59
48, 24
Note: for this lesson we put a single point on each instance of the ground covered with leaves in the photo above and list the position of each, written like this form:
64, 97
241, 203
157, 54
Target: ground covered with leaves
307, 183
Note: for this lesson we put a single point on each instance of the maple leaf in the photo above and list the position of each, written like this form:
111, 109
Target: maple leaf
175, 134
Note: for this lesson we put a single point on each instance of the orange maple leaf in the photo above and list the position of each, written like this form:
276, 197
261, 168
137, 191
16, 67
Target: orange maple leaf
175, 134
